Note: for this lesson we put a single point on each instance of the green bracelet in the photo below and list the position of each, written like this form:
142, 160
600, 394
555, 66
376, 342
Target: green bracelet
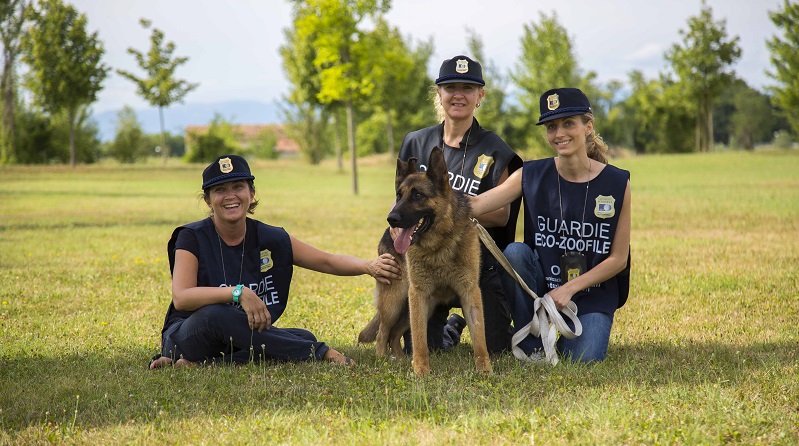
237, 293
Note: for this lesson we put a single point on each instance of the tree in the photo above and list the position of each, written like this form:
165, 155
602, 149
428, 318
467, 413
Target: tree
159, 88
342, 58
220, 138
785, 58
547, 61
703, 66
66, 62
12, 17
400, 77
130, 142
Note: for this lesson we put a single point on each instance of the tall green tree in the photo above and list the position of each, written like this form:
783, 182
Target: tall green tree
495, 113
401, 85
159, 87
785, 58
395, 74
12, 17
65, 60
307, 120
342, 54
703, 65
547, 61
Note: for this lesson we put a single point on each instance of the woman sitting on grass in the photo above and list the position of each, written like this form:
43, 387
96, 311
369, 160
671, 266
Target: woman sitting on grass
577, 229
231, 277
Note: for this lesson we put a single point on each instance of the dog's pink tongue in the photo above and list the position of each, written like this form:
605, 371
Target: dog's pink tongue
403, 240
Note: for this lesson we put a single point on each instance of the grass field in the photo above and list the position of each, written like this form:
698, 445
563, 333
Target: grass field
704, 352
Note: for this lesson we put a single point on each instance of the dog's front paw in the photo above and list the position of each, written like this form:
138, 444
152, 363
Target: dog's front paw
421, 368
483, 365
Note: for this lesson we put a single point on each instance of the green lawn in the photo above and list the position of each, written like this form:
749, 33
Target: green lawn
704, 352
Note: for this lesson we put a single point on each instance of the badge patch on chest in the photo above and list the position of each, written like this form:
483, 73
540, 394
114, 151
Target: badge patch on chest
484, 163
605, 206
266, 260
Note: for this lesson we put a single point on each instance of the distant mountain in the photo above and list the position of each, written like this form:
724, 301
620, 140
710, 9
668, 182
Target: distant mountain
178, 116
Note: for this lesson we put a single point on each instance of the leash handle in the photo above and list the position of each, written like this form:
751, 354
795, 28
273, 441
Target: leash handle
546, 314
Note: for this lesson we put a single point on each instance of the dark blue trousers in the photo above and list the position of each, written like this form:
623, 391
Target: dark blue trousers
221, 333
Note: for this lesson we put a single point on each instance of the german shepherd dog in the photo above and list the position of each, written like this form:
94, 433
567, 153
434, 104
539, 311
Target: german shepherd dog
439, 254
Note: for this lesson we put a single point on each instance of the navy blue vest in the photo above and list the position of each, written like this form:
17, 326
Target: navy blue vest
267, 268
487, 156
545, 232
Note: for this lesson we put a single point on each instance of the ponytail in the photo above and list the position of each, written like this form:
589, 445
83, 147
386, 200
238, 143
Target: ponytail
594, 144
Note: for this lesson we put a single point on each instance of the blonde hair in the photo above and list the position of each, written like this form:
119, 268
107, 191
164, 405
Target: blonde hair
594, 144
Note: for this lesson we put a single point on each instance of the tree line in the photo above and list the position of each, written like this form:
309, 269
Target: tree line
357, 86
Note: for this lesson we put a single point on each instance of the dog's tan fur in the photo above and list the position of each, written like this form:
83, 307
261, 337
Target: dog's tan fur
443, 260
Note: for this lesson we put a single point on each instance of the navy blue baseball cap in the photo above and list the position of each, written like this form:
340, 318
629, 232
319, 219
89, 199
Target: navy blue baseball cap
562, 102
225, 169
460, 69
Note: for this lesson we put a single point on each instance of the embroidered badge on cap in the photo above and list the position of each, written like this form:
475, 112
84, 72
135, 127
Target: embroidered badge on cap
266, 260
225, 165
484, 163
605, 206
462, 66
553, 101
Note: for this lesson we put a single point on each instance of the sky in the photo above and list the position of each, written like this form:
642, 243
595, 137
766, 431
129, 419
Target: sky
233, 45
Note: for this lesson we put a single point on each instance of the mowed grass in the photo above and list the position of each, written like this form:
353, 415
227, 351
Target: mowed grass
704, 352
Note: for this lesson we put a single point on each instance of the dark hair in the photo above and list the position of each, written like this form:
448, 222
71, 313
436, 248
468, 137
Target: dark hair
206, 195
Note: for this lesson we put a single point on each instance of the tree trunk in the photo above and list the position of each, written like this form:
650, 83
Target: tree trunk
711, 141
337, 142
697, 138
7, 149
353, 152
389, 131
164, 148
72, 137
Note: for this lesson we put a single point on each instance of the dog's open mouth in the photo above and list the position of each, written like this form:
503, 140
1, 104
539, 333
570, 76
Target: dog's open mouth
411, 235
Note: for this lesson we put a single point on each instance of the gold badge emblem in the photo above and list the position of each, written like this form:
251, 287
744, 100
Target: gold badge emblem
553, 101
266, 260
484, 163
462, 66
605, 206
225, 165
572, 273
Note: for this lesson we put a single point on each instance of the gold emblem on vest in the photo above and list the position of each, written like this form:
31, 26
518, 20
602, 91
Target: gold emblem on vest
605, 206
483, 165
266, 260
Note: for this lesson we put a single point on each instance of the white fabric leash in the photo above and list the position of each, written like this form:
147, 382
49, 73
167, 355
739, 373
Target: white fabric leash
547, 321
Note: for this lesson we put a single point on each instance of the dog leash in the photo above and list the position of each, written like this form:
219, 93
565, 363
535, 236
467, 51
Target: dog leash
547, 320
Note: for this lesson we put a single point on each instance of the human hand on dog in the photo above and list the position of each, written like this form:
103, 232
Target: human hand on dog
258, 315
384, 268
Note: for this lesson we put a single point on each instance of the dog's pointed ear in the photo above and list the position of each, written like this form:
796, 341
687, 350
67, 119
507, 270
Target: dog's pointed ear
437, 169
403, 170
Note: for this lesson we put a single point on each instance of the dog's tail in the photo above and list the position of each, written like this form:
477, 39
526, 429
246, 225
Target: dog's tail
369, 333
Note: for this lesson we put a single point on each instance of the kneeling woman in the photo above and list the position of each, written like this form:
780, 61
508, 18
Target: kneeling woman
577, 228
231, 277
